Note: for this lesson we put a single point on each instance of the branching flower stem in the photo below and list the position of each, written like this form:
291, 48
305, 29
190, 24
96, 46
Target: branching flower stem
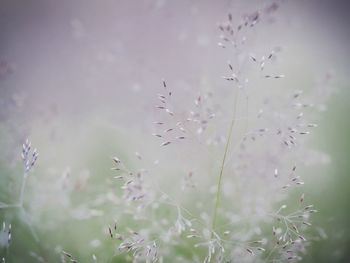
29, 159
219, 184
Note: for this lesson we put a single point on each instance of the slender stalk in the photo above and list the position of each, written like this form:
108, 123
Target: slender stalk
219, 184
21, 196
3, 205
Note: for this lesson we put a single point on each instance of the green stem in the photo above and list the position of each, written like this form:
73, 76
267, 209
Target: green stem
219, 184
21, 196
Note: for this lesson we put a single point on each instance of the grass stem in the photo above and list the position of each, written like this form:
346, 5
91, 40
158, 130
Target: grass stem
219, 184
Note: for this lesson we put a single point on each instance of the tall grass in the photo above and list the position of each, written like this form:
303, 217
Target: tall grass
218, 178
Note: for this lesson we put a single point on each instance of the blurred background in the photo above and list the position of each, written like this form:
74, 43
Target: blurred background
79, 78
